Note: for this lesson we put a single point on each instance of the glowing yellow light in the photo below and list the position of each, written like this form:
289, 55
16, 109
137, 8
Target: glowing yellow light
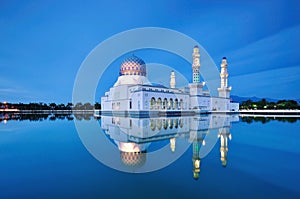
129, 147
197, 164
172, 144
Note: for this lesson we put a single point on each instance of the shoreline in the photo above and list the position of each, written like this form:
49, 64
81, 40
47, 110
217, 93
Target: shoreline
270, 113
266, 113
45, 111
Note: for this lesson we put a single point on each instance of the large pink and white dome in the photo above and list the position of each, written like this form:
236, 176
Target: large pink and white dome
132, 71
133, 65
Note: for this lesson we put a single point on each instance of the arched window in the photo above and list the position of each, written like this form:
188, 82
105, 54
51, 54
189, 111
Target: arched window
165, 103
181, 104
170, 107
176, 104
159, 103
152, 103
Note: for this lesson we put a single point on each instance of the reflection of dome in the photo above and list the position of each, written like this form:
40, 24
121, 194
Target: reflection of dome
133, 66
133, 159
132, 154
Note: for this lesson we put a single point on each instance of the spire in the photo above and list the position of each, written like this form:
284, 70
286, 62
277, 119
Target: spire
224, 73
196, 65
224, 90
172, 80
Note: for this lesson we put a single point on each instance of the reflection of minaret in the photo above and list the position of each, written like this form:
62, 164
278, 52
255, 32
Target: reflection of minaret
196, 160
196, 137
172, 80
224, 135
173, 144
224, 90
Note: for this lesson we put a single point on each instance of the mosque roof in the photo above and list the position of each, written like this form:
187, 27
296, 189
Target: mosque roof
133, 65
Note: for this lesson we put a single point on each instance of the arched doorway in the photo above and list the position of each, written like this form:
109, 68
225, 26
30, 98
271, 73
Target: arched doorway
159, 103
181, 104
176, 104
170, 107
152, 103
165, 103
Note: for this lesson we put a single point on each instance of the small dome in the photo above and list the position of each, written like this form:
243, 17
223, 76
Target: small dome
133, 65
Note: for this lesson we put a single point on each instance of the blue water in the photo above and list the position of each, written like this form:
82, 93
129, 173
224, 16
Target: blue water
46, 159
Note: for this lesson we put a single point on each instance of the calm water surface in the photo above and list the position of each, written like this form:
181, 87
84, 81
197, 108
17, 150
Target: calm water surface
44, 157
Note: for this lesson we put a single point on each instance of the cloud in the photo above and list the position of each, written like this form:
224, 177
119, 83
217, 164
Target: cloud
277, 83
11, 90
275, 51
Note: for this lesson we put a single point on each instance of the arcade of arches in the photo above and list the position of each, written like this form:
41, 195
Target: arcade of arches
166, 104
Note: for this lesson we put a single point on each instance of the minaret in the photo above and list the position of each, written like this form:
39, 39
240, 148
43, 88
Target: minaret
224, 90
172, 80
196, 65
224, 135
196, 88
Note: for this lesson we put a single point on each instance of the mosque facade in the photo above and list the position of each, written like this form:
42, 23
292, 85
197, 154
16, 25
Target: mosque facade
133, 94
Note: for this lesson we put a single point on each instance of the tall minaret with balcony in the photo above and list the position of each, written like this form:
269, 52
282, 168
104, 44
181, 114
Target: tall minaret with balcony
196, 65
224, 90
196, 88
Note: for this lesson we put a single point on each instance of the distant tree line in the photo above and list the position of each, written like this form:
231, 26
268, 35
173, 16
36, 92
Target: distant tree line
264, 104
264, 120
5, 117
50, 106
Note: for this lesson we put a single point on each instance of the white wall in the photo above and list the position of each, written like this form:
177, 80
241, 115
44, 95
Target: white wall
220, 104
234, 106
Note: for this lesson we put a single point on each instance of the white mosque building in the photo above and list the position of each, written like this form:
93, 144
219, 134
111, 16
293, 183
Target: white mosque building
133, 94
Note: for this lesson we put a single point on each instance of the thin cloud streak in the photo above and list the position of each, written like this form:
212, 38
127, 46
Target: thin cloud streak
282, 82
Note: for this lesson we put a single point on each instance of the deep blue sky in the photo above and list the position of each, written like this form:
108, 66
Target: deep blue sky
42, 44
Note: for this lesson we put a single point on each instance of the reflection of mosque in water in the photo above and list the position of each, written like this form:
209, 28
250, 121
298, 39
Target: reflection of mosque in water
134, 135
